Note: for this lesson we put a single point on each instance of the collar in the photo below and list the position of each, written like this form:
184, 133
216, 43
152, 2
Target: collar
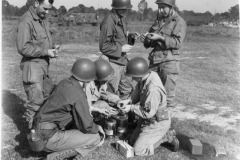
33, 13
174, 17
115, 18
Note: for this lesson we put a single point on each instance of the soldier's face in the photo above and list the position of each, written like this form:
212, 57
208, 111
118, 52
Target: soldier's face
164, 10
121, 12
42, 8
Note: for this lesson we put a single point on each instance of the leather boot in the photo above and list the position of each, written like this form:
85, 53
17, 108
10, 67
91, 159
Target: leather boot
61, 155
175, 144
172, 139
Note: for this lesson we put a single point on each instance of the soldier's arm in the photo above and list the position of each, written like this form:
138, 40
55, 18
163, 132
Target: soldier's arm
83, 119
107, 45
150, 107
25, 44
176, 39
135, 96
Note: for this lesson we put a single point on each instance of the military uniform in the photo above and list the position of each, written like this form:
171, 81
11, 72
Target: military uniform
164, 58
33, 41
152, 125
67, 105
112, 37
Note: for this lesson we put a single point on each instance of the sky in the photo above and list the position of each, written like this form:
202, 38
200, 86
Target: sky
214, 6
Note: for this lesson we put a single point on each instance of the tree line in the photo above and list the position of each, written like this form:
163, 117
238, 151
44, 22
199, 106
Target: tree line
148, 13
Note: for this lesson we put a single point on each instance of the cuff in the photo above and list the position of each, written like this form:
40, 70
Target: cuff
45, 52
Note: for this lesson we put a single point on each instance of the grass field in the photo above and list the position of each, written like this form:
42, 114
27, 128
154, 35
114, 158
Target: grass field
207, 95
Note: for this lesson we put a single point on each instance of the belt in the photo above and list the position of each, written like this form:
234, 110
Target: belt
47, 125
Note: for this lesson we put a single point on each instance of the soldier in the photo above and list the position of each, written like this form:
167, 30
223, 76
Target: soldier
113, 43
166, 37
34, 43
97, 95
154, 122
68, 105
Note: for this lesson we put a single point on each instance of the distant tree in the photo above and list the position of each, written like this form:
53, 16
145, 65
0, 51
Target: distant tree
234, 12
225, 16
142, 8
62, 10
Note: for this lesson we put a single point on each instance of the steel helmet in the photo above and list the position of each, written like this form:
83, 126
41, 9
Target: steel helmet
84, 70
121, 4
168, 2
104, 70
137, 67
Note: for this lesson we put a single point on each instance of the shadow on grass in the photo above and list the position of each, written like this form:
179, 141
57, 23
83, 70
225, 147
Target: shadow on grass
13, 107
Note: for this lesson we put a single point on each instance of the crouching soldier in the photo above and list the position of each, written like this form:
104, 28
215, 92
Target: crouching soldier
154, 122
68, 105
99, 99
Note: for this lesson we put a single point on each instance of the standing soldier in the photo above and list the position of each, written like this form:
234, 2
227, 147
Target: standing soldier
149, 102
113, 43
34, 43
64, 121
166, 37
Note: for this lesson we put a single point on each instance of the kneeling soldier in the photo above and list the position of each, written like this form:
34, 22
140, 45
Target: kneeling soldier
68, 105
99, 99
154, 122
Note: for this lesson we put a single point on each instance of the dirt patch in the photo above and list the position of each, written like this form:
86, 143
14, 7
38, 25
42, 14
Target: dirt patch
221, 116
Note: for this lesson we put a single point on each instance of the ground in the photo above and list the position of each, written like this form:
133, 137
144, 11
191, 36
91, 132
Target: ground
207, 96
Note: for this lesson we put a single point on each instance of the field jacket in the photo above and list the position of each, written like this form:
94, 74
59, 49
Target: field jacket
96, 92
33, 37
68, 103
112, 37
152, 97
174, 31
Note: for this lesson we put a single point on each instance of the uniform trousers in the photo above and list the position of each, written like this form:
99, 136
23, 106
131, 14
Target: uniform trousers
147, 137
71, 139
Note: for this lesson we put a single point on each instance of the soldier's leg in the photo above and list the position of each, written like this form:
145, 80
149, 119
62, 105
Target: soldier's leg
150, 136
33, 75
114, 81
168, 73
126, 84
71, 139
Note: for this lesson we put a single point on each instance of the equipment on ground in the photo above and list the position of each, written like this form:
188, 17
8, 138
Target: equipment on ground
110, 128
137, 67
84, 70
121, 4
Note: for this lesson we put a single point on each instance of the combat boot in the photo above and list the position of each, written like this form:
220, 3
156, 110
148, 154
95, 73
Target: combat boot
61, 155
172, 139
175, 144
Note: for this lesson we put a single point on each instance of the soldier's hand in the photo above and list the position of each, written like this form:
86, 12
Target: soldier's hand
136, 35
122, 103
143, 36
52, 53
126, 108
58, 48
126, 48
103, 111
113, 111
155, 36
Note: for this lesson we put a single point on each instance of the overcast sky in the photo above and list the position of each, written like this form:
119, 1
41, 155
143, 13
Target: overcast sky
213, 6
